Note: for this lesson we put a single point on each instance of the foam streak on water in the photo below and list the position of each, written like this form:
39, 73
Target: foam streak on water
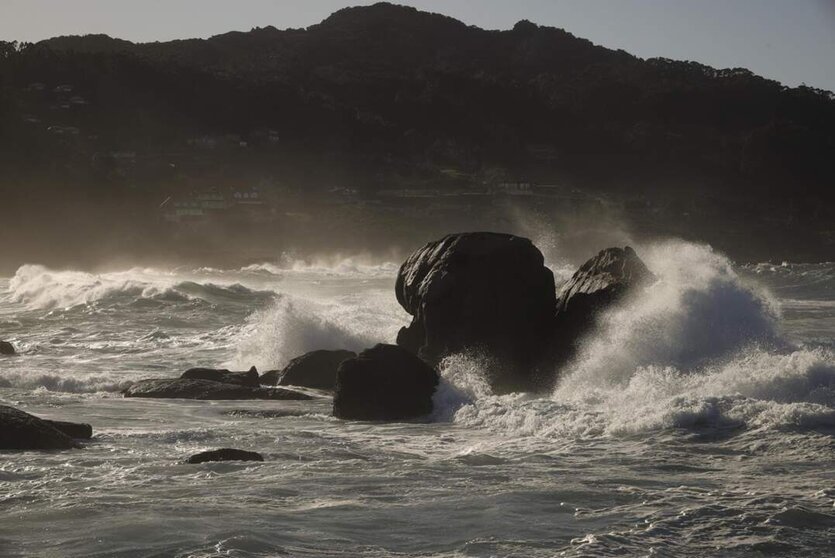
697, 420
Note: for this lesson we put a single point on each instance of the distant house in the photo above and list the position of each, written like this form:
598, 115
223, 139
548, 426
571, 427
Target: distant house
247, 197
543, 152
204, 142
194, 208
513, 188
66, 88
265, 134
409, 193
64, 130
207, 206
124, 156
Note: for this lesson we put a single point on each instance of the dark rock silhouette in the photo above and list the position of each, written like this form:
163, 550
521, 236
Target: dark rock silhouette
479, 291
22, 431
179, 388
224, 454
599, 283
248, 378
6, 348
316, 369
76, 430
385, 382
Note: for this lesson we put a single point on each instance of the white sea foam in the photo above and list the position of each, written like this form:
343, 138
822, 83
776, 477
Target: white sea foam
697, 311
38, 287
57, 382
336, 265
293, 325
700, 347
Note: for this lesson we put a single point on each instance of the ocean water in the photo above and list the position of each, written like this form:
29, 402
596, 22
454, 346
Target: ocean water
697, 420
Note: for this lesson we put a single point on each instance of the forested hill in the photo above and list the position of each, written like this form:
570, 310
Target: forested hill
387, 96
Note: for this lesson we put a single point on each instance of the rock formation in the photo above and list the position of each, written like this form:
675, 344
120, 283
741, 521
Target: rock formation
179, 388
485, 292
248, 378
316, 369
602, 281
22, 431
385, 382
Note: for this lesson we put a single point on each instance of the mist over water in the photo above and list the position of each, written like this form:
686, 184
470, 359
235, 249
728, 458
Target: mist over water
701, 409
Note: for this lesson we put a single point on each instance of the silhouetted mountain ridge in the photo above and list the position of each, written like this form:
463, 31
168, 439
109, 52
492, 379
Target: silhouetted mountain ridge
387, 96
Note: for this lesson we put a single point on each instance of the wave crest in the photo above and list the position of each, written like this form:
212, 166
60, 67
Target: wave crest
698, 349
40, 288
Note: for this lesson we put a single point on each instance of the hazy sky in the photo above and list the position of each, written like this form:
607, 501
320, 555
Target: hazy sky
792, 41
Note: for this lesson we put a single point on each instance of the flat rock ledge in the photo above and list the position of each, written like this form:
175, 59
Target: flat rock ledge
247, 378
179, 388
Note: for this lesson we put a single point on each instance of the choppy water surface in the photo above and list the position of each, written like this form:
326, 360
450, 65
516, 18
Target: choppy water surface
698, 420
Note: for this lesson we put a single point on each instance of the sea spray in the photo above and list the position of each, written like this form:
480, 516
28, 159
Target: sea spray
698, 311
698, 348
294, 325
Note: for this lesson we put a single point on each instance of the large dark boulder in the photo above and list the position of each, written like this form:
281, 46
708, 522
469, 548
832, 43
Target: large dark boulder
179, 388
604, 280
224, 454
385, 382
248, 378
316, 369
22, 431
486, 292
6, 348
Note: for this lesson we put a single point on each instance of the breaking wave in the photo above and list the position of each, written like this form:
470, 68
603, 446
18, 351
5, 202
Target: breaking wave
341, 266
60, 383
699, 348
294, 325
40, 288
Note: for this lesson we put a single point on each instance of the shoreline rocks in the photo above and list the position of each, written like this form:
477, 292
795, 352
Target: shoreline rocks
248, 378
224, 454
483, 292
315, 369
7, 348
21, 431
180, 388
385, 382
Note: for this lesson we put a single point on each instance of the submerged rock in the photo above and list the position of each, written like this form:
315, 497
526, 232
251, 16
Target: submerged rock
7, 348
385, 382
179, 388
316, 369
264, 414
224, 454
22, 431
248, 378
487, 292
599, 283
